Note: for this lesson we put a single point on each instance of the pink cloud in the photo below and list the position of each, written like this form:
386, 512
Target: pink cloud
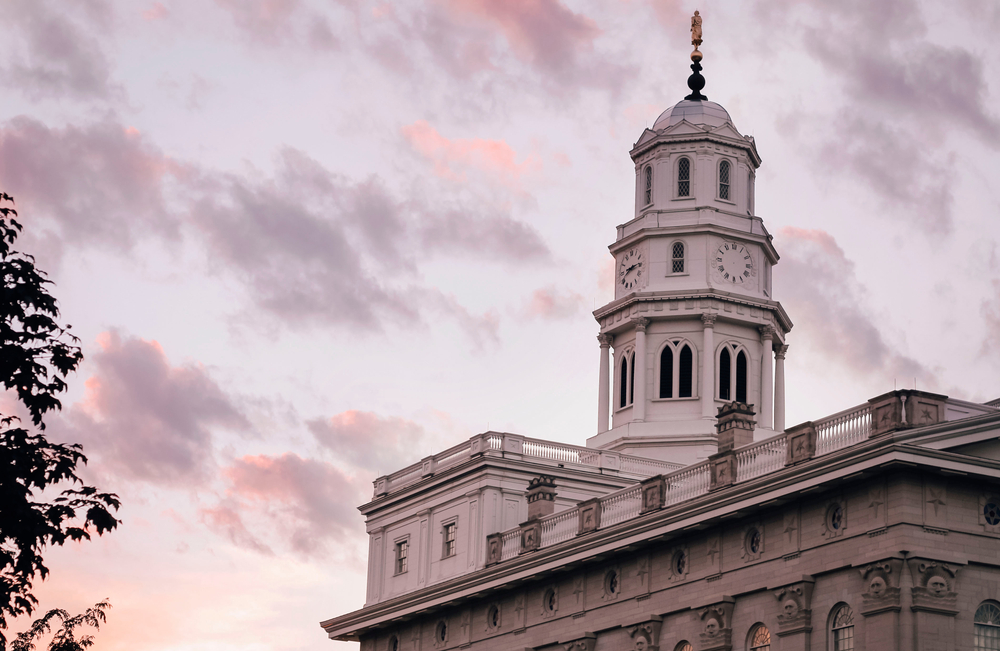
156, 11
227, 521
543, 32
495, 157
145, 420
310, 502
268, 21
349, 435
990, 311
550, 303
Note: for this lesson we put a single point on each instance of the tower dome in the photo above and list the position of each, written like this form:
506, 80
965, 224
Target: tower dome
699, 112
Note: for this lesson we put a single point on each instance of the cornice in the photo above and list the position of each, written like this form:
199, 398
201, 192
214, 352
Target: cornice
668, 139
828, 471
718, 229
650, 297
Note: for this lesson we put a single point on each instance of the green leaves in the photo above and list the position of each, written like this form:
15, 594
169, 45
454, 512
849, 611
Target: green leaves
36, 355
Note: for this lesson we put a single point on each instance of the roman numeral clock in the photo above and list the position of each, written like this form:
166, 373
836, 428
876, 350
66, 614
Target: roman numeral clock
733, 264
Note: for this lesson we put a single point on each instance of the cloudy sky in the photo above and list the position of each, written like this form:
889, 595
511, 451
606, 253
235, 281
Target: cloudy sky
307, 242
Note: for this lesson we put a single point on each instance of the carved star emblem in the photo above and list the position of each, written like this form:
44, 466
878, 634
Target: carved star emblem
578, 589
936, 499
641, 572
713, 549
926, 414
885, 417
875, 500
790, 529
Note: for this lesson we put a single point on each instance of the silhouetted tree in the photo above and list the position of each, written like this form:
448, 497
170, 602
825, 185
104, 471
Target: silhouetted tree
36, 355
65, 637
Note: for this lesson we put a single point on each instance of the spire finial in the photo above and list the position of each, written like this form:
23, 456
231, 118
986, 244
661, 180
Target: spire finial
696, 82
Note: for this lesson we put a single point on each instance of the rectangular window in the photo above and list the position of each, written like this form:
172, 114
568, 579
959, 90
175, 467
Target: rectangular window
402, 548
449, 540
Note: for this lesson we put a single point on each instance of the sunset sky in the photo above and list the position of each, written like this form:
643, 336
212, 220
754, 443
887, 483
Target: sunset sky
308, 242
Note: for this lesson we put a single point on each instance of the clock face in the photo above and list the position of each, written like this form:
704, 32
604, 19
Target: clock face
631, 268
734, 264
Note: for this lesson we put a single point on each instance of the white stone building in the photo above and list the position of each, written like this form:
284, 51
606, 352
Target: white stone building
694, 519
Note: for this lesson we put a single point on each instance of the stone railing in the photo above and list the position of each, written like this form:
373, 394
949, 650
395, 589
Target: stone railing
843, 429
887, 413
761, 458
521, 447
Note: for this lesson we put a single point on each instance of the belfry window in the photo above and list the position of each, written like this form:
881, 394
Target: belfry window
684, 177
667, 372
648, 174
741, 377
987, 626
749, 192
623, 384
724, 168
724, 374
685, 373
677, 258
631, 381
734, 377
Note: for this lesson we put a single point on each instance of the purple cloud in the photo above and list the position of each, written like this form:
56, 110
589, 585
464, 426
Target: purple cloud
146, 420
821, 289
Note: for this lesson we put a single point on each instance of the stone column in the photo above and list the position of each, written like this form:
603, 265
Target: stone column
766, 379
639, 390
708, 366
604, 386
779, 388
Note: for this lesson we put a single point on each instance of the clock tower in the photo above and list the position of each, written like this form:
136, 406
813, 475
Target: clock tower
694, 323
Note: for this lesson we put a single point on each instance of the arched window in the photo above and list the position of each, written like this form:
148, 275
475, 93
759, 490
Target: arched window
667, 372
749, 192
677, 258
631, 381
683, 645
987, 625
648, 173
842, 629
684, 177
724, 180
724, 374
741, 377
623, 383
685, 374
759, 638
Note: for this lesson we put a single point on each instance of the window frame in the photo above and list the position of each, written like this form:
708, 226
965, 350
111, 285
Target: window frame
759, 626
672, 259
718, 181
452, 526
675, 349
982, 625
677, 178
624, 378
647, 187
832, 627
400, 559
735, 348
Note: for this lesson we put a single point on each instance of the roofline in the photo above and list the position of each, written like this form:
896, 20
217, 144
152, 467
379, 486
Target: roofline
872, 456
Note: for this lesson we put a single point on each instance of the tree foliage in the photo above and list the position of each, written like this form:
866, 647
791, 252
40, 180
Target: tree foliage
65, 637
36, 355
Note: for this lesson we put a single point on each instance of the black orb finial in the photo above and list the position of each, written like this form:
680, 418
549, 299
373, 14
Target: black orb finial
696, 82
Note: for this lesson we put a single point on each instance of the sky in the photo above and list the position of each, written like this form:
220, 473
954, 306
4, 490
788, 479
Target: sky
308, 242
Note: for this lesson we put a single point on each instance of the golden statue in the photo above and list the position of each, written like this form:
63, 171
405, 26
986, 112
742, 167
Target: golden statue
696, 36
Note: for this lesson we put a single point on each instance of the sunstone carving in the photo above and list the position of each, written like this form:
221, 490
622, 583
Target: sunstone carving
933, 586
586, 643
717, 626
646, 635
881, 581
795, 601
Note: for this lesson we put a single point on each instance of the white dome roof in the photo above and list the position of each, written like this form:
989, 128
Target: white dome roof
703, 112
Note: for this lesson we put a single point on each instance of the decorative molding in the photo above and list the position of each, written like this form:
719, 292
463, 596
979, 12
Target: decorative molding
708, 320
796, 603
640, 324
766, 331
586, 643
646, 635
933, 586
717, 625
781, 351
605, 340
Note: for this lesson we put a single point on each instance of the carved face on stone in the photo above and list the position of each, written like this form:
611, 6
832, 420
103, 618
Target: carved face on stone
641, 644
877, 586
937, 585
789, 608
711, 627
